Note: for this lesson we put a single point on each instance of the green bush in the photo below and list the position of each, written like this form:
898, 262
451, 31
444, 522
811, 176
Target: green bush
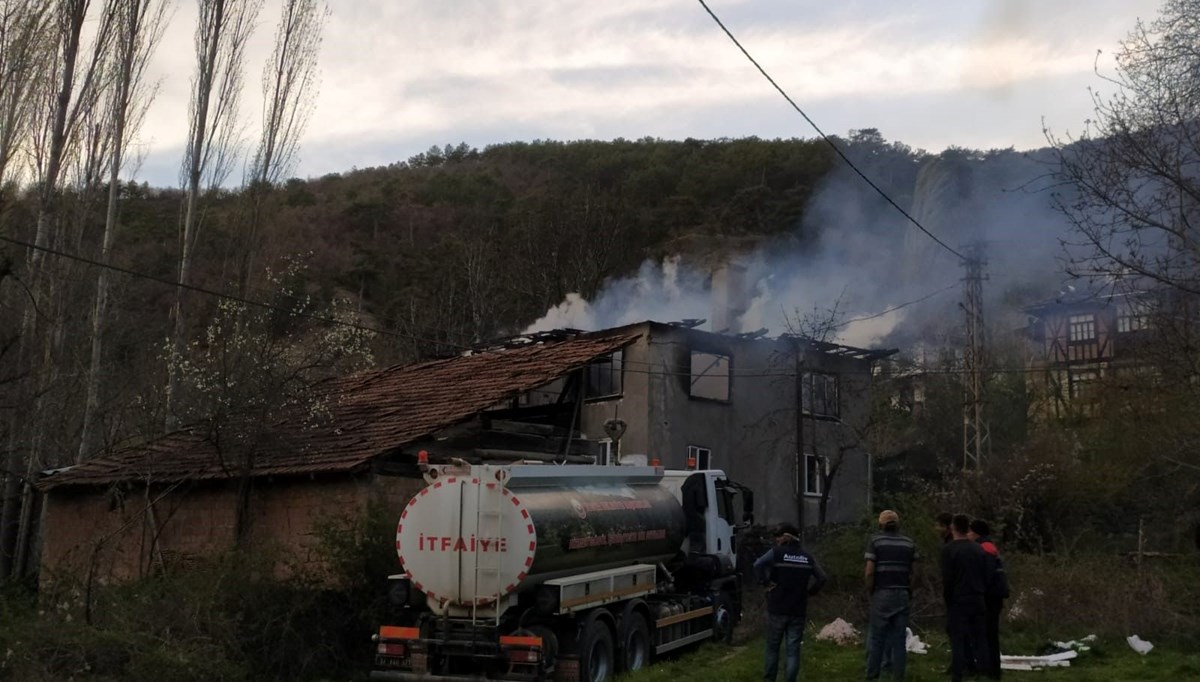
226, 619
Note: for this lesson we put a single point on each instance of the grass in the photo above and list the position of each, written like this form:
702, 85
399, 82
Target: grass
1109, 661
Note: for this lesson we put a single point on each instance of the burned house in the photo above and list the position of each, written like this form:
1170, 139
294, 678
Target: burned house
786, 417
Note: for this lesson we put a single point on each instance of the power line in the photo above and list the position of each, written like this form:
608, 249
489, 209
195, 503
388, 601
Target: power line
223, 295
893, 309
826, 138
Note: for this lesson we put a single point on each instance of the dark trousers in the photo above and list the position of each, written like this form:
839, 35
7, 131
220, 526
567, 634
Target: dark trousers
965, 620
992, 605
887, 632
788, 630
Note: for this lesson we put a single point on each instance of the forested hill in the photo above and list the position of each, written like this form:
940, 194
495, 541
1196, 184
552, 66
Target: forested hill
477, 243
448, 248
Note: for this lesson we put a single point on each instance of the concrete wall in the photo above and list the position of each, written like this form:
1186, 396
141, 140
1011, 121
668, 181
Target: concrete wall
86, 525
753, 435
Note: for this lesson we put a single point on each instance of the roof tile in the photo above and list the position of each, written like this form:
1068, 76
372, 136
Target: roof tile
372, 413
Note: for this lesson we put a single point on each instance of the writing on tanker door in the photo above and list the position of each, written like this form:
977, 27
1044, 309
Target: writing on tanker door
608, 539
450, 543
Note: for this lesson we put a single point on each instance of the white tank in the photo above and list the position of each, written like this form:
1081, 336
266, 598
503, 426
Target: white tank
477, 533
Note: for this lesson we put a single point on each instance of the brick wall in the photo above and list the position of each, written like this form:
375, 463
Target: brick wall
82, 526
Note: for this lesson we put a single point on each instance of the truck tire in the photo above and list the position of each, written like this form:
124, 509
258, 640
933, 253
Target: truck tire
634, 649
725, 617
596, 651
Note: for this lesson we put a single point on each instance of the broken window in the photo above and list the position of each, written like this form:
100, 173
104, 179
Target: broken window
819, 394
710, 376
702, 456
814, 474
604, 376
608, 455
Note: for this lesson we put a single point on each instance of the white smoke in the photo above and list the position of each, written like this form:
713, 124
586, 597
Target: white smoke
866, 261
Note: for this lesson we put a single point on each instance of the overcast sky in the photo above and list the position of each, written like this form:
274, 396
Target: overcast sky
400, 75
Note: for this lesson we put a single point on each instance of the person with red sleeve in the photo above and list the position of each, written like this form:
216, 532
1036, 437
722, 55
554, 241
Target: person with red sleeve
994, 596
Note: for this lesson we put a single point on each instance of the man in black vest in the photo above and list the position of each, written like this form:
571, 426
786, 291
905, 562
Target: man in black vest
996, 591
964, 583
790, 575
890, 558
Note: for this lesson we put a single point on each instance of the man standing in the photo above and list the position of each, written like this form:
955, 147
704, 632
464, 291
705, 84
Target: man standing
890, 558
995, 592
790, 575
964, 579
941, 526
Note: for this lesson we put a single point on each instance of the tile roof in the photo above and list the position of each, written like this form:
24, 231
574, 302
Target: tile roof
371, 412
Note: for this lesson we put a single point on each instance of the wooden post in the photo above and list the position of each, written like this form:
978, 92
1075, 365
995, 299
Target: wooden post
1141, 543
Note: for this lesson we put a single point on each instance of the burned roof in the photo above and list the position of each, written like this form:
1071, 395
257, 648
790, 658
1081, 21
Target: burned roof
369, 414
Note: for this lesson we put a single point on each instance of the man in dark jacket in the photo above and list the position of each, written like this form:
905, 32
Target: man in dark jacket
964, 583
890, 558
995, 592
790, 575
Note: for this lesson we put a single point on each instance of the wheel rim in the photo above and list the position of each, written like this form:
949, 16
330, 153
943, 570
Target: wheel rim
598, 662
636, 648
724, 622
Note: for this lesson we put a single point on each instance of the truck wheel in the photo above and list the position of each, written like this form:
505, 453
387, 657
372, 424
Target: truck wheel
635, 643
724, 618
596, 652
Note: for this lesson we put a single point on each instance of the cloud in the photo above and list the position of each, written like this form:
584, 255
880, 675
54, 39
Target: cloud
404, 73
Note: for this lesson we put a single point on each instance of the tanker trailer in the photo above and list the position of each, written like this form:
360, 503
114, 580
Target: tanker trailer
538, 572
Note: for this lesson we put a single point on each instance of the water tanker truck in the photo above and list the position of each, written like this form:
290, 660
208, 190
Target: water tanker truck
545, 572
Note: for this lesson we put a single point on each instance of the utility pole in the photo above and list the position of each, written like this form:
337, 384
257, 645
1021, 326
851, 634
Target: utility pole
976, 436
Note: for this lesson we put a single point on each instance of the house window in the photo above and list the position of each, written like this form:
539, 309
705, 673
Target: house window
814, 474
710, 376
1131, 321
703, 456
608, 454
819, 394
604, 377
1083, 383
1082, 327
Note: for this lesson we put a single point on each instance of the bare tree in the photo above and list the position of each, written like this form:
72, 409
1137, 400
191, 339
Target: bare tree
289, 84
23, 26
1132, 190
75, 60
139, 27
222, 31
79, 73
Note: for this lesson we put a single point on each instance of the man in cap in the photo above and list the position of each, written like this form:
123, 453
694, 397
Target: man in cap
890, 558
790, 575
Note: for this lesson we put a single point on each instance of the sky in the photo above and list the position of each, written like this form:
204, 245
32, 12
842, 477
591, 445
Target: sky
398, 76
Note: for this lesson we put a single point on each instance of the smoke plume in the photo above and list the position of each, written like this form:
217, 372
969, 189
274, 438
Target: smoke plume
860, 275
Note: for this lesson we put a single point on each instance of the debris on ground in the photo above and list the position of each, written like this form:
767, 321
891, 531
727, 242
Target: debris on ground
839, 632
1080, 645
913, 643
1139, 645
1059, 660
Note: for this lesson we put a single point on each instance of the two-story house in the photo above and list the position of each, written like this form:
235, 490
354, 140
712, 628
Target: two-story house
786, 416
1079, 340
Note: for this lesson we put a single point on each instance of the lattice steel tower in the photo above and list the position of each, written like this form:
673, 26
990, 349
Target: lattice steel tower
977, 443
